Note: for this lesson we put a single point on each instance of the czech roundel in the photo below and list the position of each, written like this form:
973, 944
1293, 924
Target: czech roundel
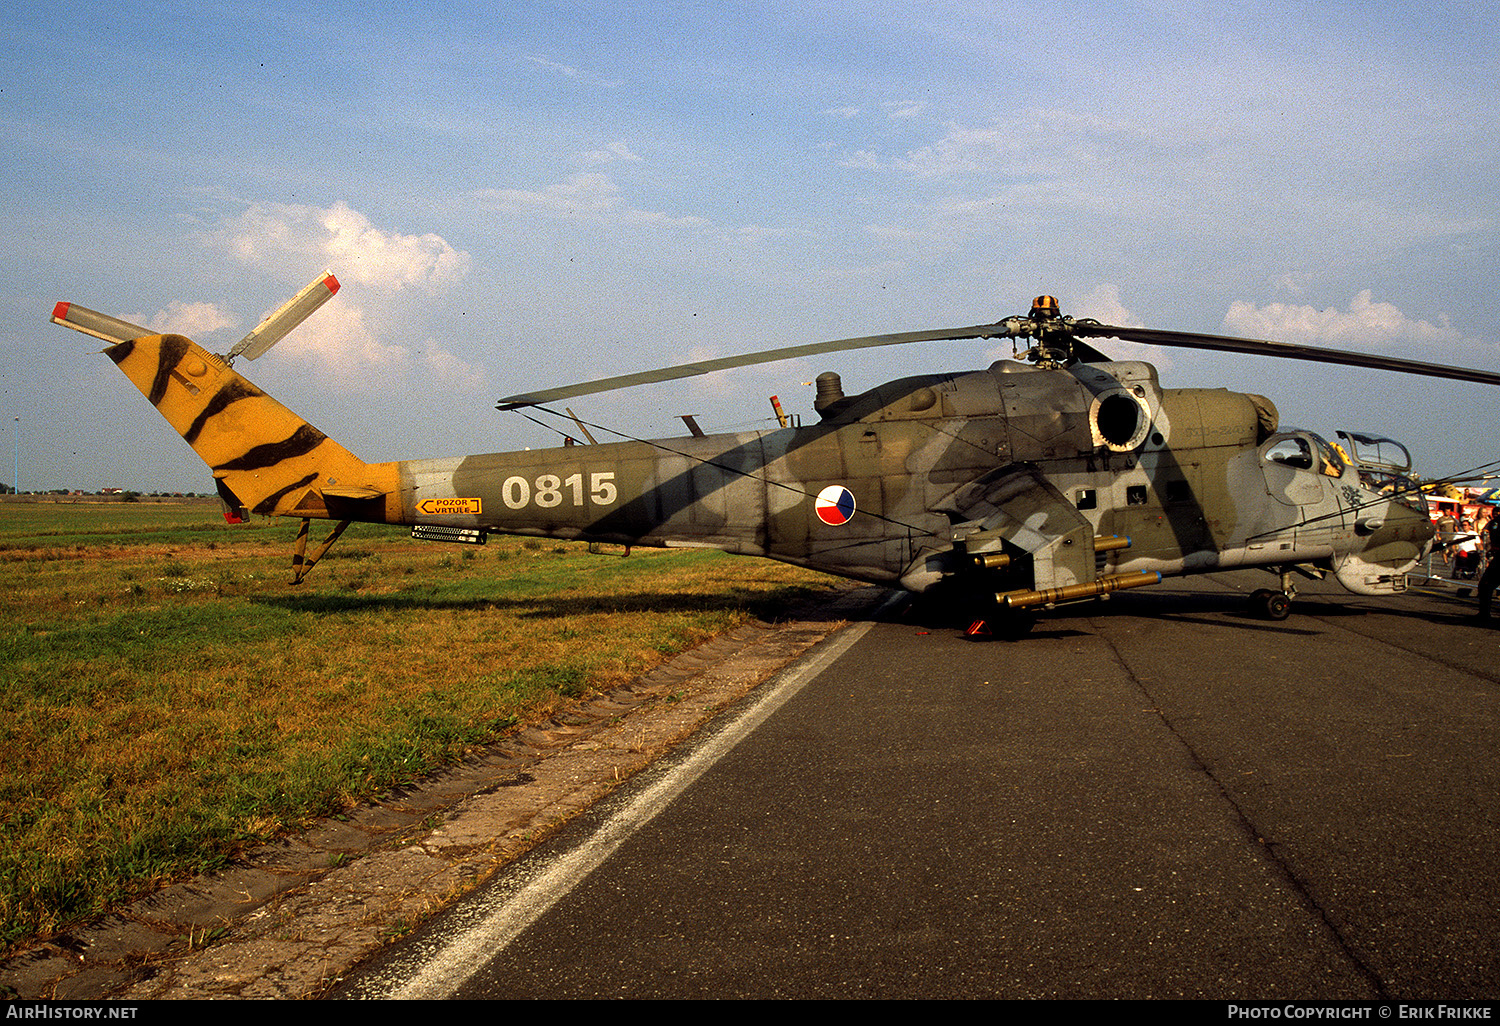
835, 505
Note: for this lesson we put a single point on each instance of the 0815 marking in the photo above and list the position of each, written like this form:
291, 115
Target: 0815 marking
549, 490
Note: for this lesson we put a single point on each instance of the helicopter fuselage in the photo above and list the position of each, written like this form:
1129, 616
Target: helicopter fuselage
1021, 485
1016, 485
925, 480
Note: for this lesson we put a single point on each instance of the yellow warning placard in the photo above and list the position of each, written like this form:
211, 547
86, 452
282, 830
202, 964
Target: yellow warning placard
442, 507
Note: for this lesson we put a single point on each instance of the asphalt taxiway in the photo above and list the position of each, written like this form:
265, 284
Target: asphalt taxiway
1158, 796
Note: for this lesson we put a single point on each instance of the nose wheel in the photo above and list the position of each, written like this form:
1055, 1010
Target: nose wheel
1270, 605
1274, 605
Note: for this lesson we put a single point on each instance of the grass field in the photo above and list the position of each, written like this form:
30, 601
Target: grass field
168, 699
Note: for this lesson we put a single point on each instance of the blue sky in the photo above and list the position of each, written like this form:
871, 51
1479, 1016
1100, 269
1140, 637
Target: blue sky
549, 192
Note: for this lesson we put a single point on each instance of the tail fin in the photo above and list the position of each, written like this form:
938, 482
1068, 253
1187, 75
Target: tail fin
267, 458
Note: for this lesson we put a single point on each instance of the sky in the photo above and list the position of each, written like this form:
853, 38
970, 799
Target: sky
524, 195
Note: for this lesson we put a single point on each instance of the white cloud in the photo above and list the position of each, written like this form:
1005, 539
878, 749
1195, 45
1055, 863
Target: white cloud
755, 233
1102, 303
1364, 322
190, 319
562, 69
903, 109
345, 349
1056, 166
348, 352
569, 71
581, 196
454, 373
586, 196
864, 160
349, 343
1290, 284
1041, 144
388, 260
656, 217
613, 152
843, 112
277, 237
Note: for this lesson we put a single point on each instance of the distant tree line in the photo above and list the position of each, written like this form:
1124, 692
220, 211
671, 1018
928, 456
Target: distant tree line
127, 494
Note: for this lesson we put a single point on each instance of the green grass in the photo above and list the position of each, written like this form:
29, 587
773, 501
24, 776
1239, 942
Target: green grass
36, 526
166, 698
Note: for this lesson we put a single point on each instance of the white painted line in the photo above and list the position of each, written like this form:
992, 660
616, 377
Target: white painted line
500, 919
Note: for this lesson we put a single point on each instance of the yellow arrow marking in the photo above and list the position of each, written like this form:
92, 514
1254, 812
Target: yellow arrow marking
440, 507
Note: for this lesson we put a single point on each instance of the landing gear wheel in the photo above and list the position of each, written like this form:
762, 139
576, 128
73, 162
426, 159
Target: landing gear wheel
1273, 605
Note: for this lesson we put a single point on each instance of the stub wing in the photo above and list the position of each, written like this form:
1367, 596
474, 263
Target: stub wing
1017, 506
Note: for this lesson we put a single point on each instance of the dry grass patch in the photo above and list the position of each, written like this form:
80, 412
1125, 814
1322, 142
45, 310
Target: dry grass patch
167, 699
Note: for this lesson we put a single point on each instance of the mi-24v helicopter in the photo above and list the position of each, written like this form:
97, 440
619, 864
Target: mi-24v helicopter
1058, 478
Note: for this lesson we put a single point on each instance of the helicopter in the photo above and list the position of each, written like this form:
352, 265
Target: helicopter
1058, 477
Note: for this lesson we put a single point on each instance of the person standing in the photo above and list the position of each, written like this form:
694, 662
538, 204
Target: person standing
1445, 527
1466, 556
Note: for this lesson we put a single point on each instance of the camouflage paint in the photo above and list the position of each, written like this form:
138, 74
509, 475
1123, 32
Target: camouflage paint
1017, 461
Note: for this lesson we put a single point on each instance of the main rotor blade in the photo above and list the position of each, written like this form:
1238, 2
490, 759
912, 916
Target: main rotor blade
1286, 350
688, 370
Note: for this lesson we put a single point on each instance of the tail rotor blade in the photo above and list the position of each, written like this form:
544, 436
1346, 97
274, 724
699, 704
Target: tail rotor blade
290, 314
101, 326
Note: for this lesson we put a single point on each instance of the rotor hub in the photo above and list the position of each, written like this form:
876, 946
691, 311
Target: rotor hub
1045, 308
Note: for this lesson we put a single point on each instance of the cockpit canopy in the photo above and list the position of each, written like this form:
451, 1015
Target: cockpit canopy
1376, 452
1384, 465
1303, 450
